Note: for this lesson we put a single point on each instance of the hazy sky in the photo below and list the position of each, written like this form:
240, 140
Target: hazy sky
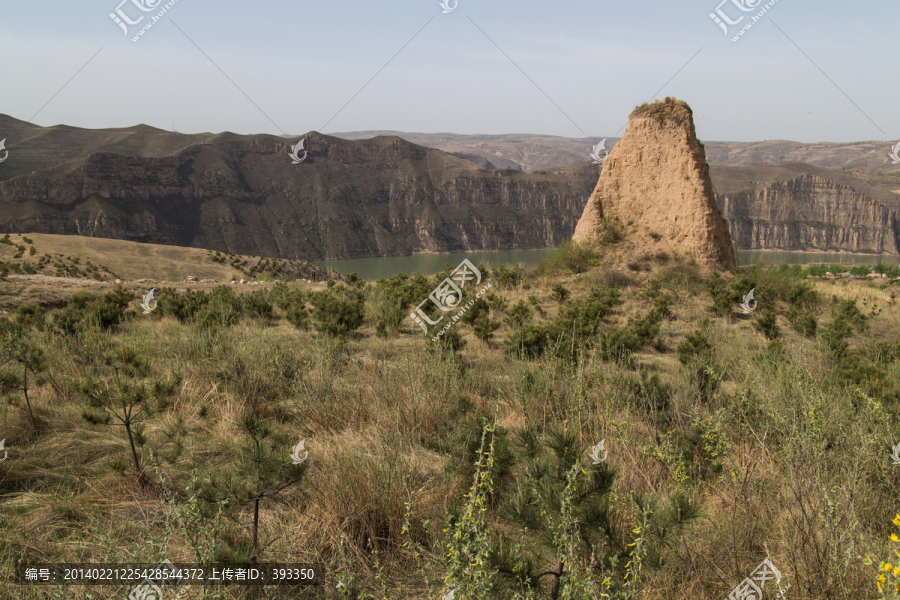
302, 61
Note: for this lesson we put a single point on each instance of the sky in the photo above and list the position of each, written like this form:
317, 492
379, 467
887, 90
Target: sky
575, 68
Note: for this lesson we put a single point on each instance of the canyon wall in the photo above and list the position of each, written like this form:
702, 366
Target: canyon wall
795, 206
348, 199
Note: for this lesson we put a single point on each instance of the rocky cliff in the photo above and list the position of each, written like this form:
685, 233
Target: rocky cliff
347, 199
796, 206
655, 184
385, 196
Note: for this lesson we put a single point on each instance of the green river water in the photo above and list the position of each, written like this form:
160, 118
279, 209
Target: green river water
428, 264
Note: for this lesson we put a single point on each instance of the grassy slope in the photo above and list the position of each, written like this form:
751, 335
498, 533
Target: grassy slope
804, 475
128, 260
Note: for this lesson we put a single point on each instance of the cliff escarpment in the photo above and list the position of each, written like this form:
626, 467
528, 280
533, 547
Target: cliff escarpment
241, 194
796, 206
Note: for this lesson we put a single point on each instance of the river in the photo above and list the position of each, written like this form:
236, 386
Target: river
388, 266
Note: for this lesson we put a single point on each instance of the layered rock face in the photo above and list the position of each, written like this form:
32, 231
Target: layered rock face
348, 199
655, 185
796, 206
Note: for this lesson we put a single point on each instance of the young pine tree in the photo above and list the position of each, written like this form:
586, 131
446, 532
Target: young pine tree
261, 467
563, 505
127, 396
21, 376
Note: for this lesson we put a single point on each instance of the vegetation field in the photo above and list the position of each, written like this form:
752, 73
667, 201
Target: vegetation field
102, 259
586, 429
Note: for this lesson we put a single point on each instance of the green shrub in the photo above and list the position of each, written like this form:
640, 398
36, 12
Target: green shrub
704, 376
29, 317
859, 271
336, 316
695, 346
498, 303
282, 296
848, 310
803, 321
68, 320
802, 295
560, 293
582, 317
408, 290
618, 344
723, 298
389, 312
257, 304
638, 266
569, 256
478, 309
767, 323
181, 306
662, 305
485, 327
509, 276
646, 329
518, 315
530, 341
213, 317
835, 336
649, 395
298, 317
451, 340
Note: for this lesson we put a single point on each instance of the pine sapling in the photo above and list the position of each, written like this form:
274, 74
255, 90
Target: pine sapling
262, 467
31, 362
127, 398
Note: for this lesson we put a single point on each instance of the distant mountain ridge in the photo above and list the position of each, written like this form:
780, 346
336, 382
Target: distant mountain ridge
532, 152
387, 196
349, 199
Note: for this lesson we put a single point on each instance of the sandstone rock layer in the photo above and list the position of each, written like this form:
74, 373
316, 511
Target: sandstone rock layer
655, 187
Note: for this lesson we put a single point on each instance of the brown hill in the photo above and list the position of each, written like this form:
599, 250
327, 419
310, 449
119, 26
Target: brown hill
348, 199
384, 196
655, 185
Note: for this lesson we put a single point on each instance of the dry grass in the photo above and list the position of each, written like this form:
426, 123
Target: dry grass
804, 475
